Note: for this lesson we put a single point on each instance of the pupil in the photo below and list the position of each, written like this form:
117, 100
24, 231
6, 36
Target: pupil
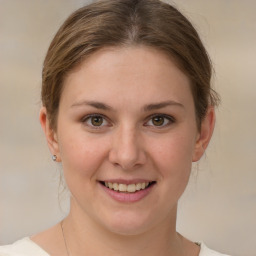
158, 120
97, 120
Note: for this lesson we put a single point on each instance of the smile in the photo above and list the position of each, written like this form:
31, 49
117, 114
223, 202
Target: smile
127, 188
127, 191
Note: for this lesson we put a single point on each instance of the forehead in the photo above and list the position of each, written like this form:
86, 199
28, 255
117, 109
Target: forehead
127, 73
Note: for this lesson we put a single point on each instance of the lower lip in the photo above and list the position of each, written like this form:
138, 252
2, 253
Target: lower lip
128, 197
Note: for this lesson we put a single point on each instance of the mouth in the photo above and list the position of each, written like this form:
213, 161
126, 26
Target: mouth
127, 188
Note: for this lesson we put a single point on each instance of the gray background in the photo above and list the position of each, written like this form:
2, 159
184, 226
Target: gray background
219, 205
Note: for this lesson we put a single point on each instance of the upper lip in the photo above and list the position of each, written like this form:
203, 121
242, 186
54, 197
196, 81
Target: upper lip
127, 182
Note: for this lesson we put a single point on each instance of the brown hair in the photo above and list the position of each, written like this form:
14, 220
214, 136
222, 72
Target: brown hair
123, 23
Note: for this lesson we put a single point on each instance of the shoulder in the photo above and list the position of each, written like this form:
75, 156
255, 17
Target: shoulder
23, 247
205, 251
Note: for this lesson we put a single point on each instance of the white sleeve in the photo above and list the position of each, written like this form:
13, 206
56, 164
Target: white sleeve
205, 251
23, 247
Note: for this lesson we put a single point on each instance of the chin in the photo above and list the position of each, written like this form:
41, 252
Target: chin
128, 224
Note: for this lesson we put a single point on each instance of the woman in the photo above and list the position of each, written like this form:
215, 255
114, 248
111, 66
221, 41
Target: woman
126, 108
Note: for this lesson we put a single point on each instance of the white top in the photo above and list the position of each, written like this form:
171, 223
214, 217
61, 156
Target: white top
26, 247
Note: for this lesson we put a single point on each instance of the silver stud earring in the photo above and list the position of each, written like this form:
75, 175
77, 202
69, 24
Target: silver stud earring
54, 158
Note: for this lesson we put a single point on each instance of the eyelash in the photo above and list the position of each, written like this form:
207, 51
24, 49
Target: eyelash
89, 118
170, 120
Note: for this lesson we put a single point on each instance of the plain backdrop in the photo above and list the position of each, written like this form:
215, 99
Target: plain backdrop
219, 205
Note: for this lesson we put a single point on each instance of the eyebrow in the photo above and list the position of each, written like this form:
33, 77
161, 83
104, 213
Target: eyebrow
160, 105
146, 108
95, 104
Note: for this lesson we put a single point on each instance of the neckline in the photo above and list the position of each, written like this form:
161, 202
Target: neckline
37, 246
29, 240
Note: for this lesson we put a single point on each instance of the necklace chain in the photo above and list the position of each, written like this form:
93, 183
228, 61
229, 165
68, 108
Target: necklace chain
64, 238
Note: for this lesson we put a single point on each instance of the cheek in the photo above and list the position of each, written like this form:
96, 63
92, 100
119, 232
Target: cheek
81, 155
173, 158
174, 149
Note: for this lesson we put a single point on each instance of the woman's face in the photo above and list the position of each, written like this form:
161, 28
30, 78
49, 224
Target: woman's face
127, 120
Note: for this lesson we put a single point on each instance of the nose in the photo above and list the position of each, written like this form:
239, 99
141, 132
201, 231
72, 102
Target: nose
127, 149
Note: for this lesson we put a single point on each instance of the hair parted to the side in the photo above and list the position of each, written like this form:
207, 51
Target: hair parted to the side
125, 23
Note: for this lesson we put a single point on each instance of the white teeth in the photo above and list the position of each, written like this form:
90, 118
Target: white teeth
131, 188
122, 187
138, 186
109, 184
115, 186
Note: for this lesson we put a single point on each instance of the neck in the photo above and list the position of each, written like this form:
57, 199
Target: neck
85, 236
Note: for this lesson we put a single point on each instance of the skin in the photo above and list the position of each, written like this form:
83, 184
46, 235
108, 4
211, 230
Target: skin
124, 87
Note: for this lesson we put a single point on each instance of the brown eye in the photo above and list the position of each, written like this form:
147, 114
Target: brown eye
96, 120
158, 120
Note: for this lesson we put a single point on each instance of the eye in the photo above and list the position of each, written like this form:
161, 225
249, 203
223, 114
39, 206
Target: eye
160, 120
95, 121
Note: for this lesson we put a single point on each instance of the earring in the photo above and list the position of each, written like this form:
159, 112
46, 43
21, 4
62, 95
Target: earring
54, 158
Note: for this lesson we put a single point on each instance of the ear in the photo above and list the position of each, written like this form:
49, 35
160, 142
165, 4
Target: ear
50, 134
205, 134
